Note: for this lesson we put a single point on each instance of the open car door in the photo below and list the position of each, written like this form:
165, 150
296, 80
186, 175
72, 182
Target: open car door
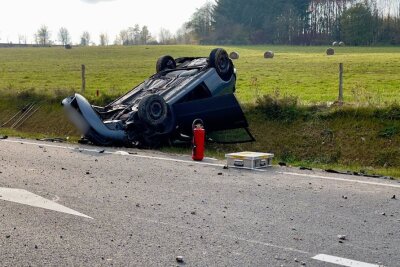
223, 118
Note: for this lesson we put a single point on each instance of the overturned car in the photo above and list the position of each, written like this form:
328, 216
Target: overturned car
164, 106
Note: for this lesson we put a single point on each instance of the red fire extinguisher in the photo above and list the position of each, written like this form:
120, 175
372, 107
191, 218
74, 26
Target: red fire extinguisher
199, 138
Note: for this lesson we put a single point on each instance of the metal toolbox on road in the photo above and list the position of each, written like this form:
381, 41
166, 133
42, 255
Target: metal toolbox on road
249, 160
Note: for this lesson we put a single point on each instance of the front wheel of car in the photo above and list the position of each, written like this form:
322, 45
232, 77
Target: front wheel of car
219, 59
165, 63
153, 110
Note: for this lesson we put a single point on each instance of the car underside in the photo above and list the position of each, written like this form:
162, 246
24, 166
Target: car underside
164, 106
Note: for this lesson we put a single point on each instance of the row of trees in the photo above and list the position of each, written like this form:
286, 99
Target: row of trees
357, 22
299, 22
43, 37
131, 36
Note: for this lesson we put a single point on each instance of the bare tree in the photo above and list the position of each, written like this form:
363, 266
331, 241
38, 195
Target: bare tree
85, 38
42, 36
165, 36
21, 39
63, 36
124, 37
184, 35
104, 39
117, 40
133, 35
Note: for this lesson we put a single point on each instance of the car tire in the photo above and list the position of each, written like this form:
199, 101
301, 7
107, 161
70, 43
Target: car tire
153, 110
165, 63
219, 59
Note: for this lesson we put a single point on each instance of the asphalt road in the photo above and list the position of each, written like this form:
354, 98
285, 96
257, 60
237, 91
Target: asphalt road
145, 208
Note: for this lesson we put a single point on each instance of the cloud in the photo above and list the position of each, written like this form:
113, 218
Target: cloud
95, 1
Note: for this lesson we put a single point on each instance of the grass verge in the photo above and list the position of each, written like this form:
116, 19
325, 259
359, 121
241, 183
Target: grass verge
361, 139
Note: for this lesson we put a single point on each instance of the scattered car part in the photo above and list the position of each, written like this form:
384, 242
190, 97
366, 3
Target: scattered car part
53, 140
164, 106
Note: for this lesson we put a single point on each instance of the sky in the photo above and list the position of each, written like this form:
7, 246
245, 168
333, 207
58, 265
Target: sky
25, 17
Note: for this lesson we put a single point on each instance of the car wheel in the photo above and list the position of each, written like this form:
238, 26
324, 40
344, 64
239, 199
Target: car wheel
219, 59
153, 110
165, 63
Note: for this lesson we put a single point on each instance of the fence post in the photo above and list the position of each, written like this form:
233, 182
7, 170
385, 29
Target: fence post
83, 78
340, 100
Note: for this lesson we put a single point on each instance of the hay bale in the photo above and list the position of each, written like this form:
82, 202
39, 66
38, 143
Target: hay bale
341, 44
68, 46
335, 43
234, 55
330, 51
269, 54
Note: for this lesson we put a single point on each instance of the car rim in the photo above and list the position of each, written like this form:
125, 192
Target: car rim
223, 63
156, 110
170, 64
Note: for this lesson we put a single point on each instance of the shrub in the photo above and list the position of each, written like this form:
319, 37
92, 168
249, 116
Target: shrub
389, 132
276, 108
390, 113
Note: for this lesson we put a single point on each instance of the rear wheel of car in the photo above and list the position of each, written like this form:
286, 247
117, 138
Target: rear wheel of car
219, 59
153, 110
165, 63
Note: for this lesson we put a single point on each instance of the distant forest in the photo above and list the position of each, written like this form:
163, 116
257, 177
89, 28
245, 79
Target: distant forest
252, 22
296, 22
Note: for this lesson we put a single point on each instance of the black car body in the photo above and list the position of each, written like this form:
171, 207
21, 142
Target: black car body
165, 105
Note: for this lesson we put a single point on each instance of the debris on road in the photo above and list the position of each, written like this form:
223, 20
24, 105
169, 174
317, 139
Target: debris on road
394, 197
122, 153
342, 237
54, 140
361, 173
179, 259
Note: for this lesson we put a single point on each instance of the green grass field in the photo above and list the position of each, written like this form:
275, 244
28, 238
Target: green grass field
352, 137
372, 75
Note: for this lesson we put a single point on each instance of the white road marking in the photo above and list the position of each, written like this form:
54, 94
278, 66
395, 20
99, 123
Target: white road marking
252, 241
199, 163
338, 179
342, 261
124, 153
27, 198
